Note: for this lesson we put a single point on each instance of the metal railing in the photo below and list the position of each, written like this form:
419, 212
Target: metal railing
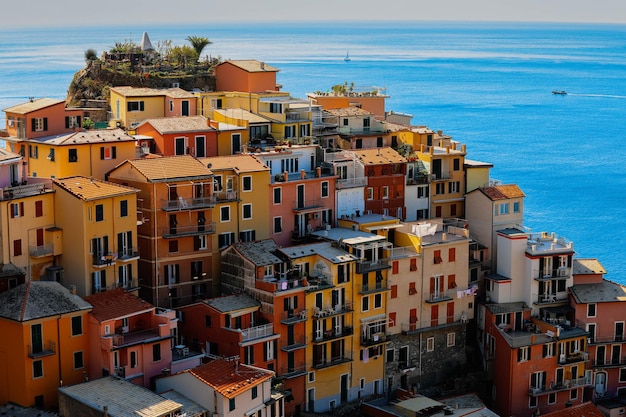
181, 203
42, 250
45, 349
190, 230
257, 332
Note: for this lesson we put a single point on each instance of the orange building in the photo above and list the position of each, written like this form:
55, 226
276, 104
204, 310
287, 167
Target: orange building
246, 75
44, 343
371, 99
192, 135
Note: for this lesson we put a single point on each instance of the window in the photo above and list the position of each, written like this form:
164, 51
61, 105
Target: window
437, 257
255, 392
324, 189
370, 193
365, 304
231, 404
548, 350
108, 152
72, 155
17, 210
523, 354
38, 208
40, 124
378, 300
123, 208
78, 360
451, 281
133, 359
591, 310
37, 369
156, 352
440, 188
516, 207
390, 354
366, 122
532, 401
247, 236
17, 247
454, 186
246, 183
201, 242
430, 344
622, 375
392, 319
269, 350
99, 212
451, 254
246, 211
77, 326
504, 208
552, 398
412, 289
51, 155
385, 192
135, 106
450, 339
225, 214
573, 394
173, 246
394, 291
456, 164
248, 353
225, 239
278, 225
311, 376
278, 195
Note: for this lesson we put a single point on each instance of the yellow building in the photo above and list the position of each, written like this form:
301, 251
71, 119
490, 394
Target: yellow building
132, 105
89, 153
100, 221
44, 343
241, 191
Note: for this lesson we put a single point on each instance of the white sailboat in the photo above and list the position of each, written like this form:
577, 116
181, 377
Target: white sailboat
347, 58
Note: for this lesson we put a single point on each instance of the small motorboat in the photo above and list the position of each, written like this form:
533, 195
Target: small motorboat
560, 92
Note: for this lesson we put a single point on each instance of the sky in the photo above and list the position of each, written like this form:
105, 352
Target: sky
77, 13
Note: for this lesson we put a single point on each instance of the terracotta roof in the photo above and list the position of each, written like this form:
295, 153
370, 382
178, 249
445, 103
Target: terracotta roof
114, 304
107, 136
165, 125
379, 156
252, 65
349, 111
30, 106
38, 299
88, 189
152, 92
587, 409
229, 378
122, 398
171, 168
237, 163
502, 192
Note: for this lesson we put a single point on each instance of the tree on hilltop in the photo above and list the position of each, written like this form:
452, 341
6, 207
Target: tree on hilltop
198, 43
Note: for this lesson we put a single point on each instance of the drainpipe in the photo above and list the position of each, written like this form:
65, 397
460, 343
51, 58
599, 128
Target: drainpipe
156, 246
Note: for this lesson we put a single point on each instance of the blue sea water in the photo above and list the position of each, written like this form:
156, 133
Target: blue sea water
487, 85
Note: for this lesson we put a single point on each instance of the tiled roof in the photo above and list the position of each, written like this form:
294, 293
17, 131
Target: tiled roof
601, 292
152, 92
252, 65
30, 106
502, 192
88, 189
228, 377
232, 302
171, 168
259, 252
8, 156
587, 409
165, 125
379, 156
38, 299
237, 163
242, 115
104, 136
122, 398
114, 304
349, 111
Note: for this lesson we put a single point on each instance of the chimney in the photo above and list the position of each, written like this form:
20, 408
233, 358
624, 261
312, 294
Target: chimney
286, 174
262, 64
302, 174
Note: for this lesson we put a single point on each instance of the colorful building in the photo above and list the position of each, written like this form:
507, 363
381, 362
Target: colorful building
176, 204
44, 344
191, 135
370, 99
249, 76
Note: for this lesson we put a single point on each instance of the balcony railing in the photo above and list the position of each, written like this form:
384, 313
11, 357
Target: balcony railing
559, 386
373, 339
125, 254
224, 196
296, 343
332, 334
607, 339
129, 284
364, 266
374, 287
293, 316
257, 332
48, 348
601, 363
102, 259
132, 338
192, 230
351, 182
181, 203
307, 204
42, 250
328, 311
573, 358
293, 371
319, 363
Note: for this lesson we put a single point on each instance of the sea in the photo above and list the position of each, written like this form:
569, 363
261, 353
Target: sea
488, 85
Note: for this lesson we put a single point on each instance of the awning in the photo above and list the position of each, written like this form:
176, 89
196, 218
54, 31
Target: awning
383, 226
374, 318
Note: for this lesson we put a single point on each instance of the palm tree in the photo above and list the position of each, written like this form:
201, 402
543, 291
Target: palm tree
198, 43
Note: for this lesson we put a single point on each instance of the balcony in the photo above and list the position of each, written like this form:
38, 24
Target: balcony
612, 363
319, 283
559, 386
365, 265
307, 205
329, 311
415, 327
138, 337
226, 196
546, 299
192, 230
294, 371
566, 359
420, 179
378, 286
181, 203
128, 284
293, 316
320, 363
351, 183
42, 250
598, 340
128, 254
103, 259
325, 336
373, 339
294, 344
46, 349
440, 296
257, 332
